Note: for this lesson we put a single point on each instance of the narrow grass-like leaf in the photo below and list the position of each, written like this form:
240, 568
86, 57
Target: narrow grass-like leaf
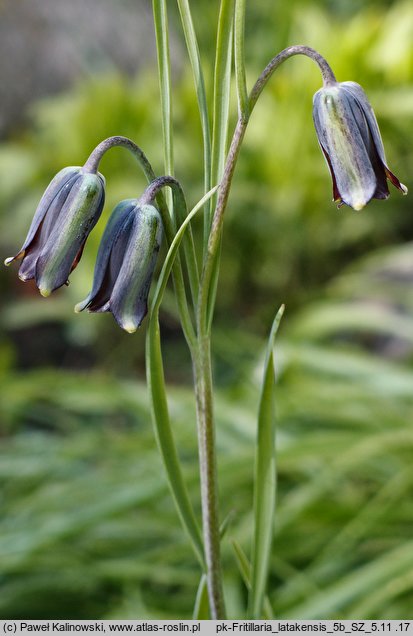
244, 567
164, 68
164, 436
239, 27
265, 480
201, 607
173, 249
195, 59
364, 580
189, 253
222, 89
222, 94
396, 586
156, 383
177, 207
226, 524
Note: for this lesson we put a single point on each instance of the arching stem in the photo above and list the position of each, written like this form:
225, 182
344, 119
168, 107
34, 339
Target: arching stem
203, 369
328, 76
155, 191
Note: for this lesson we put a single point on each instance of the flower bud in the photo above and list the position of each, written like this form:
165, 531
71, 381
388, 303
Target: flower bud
349, 137
66, 214
125, 263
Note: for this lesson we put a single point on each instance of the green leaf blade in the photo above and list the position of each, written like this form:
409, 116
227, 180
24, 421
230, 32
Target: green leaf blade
244, 567
157, 392
165, 438
160, 16
173, 251
239, 24
222, 89
201, 607
199, 82
265, 481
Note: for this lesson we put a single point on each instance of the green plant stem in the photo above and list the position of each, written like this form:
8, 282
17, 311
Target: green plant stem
165, 438
208, 475
205, 309
176, 202
95, 157
160, 17
211, 266
221, 101
239, 28
195, 59
206, 433
299, 49
222, 89
202, 366
181, 211
157, 392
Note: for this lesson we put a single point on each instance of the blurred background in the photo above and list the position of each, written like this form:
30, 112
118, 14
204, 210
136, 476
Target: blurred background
87, 526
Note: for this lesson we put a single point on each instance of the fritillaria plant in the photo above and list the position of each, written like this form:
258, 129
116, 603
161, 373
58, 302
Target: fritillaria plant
349, 137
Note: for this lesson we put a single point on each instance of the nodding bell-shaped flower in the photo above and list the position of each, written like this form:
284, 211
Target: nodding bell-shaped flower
66, 214
349, 137
125, 263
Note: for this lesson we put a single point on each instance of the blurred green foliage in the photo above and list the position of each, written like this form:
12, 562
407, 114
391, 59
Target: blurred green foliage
87, 526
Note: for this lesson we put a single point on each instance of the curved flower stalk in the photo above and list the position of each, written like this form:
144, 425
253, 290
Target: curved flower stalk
376, 165
65, 216
125, 263
349, 137
152, 193
68, 211
369, 136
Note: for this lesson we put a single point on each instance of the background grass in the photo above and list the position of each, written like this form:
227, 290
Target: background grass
87, 525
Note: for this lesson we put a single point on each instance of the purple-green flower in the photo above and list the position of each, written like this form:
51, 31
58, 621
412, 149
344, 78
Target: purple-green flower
349, 137
125, 263
66, 214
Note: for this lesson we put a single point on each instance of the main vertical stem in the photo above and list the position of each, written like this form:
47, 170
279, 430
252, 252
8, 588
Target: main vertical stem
208, 475
202, 359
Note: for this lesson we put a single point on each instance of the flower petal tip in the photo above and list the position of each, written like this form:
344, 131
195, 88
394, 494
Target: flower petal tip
8, 261
358, 205
130, 327
79, 307
404, 189
45, 292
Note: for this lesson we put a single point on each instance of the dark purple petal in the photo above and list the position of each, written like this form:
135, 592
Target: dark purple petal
108, 259
37, 239
395, 181
349, 136
54, 196
64, 243
129, 298
101, 301
360, 96
336, 193
338, 131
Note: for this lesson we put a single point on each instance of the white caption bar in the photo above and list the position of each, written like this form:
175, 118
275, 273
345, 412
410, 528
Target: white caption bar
338, 628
